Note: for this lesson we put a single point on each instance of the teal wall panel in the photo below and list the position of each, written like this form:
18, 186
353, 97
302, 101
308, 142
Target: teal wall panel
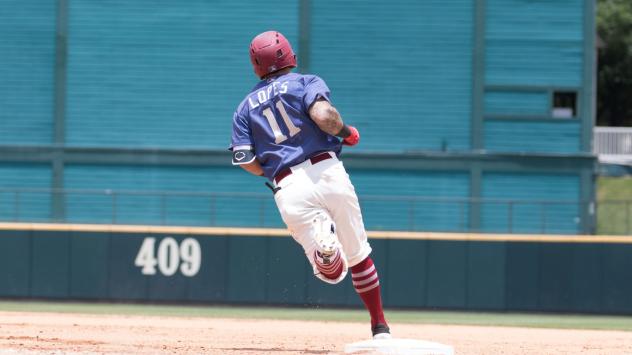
50, 265
179, 208
163, 74
534, 42
554, 65
162, 288
25, 205
89, 260
27, 62
15, 263
504, 135
486, 275
522, 276
617, 288
406, 271
560, 213
556, 277
587, 277
442, 207
414, 77
286, 285
514, 102
447, 276
247, 269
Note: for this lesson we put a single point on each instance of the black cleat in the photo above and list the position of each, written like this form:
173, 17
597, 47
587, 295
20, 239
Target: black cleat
381, 331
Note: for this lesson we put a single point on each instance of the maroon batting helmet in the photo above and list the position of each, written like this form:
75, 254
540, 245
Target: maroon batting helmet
269, 52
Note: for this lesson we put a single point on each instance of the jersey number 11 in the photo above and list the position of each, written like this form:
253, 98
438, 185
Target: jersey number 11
278, 135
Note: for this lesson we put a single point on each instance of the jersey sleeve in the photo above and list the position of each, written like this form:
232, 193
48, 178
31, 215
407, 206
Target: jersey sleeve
242, 136
315, 87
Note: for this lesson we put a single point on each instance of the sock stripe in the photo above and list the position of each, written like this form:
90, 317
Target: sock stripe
328, 271
368, 288
365, 281
333, 274
364, 277
363, 273
331, 266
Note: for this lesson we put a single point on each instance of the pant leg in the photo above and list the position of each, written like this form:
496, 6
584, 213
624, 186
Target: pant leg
337, 194
298, 205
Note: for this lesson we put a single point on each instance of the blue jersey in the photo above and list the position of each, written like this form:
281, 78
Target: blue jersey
274, 120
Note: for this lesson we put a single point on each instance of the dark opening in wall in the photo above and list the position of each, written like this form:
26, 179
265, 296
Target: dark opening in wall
564, 104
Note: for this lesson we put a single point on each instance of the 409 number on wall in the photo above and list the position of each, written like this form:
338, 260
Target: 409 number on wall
169, 257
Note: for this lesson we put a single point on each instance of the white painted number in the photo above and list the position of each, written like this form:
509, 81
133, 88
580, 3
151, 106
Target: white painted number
278, 135
191, 255
169, 257
145, 257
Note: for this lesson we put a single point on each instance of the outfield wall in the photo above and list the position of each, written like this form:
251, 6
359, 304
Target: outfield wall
265, 266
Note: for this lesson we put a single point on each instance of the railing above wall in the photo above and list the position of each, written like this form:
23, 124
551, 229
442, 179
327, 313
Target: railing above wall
230, 209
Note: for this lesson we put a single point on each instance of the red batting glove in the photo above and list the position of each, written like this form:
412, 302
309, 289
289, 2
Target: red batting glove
353, 138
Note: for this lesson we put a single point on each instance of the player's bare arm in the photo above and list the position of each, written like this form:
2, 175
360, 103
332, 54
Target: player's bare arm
253, 168
328, 119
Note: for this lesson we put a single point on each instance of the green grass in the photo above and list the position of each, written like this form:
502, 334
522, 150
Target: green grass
335, 315
614, 217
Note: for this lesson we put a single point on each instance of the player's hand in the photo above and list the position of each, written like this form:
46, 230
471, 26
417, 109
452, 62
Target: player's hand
353, 138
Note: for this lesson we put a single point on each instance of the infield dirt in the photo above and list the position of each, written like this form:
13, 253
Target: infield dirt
63, 333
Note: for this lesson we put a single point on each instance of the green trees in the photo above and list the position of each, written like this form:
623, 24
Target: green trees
614, 77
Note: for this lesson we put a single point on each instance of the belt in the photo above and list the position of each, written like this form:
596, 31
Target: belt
315, 159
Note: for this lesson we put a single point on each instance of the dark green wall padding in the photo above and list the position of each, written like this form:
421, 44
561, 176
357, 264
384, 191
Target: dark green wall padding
516, 276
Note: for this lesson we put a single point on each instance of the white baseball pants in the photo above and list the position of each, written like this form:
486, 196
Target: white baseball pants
323, 187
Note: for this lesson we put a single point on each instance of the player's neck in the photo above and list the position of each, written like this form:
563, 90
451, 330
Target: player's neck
277, 73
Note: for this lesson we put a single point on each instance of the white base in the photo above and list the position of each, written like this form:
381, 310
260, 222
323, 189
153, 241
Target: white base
399, 347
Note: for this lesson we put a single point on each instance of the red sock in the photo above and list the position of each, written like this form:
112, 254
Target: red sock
367, 285
330, 267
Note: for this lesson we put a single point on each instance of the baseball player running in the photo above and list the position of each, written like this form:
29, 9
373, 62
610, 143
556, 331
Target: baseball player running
287, 130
